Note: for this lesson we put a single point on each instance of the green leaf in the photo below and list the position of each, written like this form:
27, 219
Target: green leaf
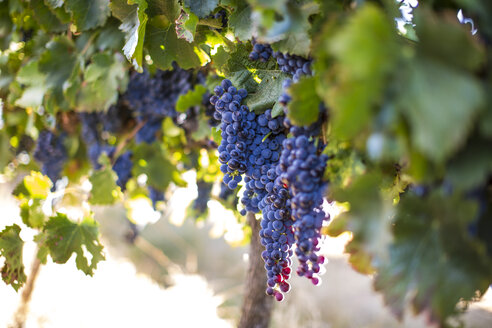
201, 8
240, 22
366, 52
121, 9
191, 98
37, 185
104, 78
344, 165
447, 42
169, 9
292, 30
434, 263
88, 14
134, 26
169, 128
267, 92
32, 214
440, 104
45, 17
110, 37
304, 106
58, 71
6, 26
11, 249
53, 4
220, 58
30, 76
104, 189
164, 47
262, 80
5, 153
471, 166
368, 219
64, 237
152, 161
186, 26
203, 131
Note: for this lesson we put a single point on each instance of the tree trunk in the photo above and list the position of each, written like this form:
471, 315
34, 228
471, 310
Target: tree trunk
257, 305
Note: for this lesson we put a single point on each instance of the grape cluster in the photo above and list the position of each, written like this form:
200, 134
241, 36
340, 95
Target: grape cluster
210, 111
277, 235
123, 168
295, 65
154, 97
265, 152
51, 153
204, 190
237, 131
92, 123
302, 172
260, 51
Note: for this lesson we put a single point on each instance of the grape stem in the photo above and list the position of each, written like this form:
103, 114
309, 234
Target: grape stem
23, 309
127, 139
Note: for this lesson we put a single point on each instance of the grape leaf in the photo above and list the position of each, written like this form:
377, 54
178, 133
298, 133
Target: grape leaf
435, 96
31, 212
366, 52
368, 219
88, 14
104, 78
220, 58
168, 11
6, 26
277, 5
104, 189
152, 161
54, 3
292, 31
121, 9
45, 17
447, 41
344, 165
5, 153
201, 8
33, 94
262, 80
186, 26
11, 249
191, 98
33, 186
470, 167
203, 131
110, 37
240, 22
433, 263
38, 185
133, 24
135, 29
57, 71
164, 47
267, 92
63, 237
304, 106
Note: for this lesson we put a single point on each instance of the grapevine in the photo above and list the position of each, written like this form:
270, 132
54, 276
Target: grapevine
283, 111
